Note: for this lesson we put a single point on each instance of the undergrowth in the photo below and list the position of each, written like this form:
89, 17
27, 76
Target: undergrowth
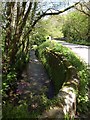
33, 106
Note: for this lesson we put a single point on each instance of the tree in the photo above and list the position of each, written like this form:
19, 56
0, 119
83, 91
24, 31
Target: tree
84, 7
19, 20
53, 26
75, 27
39, 33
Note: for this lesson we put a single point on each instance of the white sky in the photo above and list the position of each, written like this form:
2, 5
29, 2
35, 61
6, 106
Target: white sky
59, 0
71, 1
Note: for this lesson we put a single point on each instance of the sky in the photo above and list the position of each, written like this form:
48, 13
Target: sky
60, 0
60, 6
71, 1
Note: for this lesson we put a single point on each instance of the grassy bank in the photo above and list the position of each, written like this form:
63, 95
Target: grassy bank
81, 67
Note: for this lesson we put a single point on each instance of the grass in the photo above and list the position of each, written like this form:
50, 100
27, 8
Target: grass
80, 42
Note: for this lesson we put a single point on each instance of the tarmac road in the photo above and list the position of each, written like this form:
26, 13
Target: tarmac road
81, 50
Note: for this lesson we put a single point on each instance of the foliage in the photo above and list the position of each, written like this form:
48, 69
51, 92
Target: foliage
83, 7
80, 42
57, 72
29, 108
76, 62
18, 21
39, 33
9, 111
50, 26
53, 26
75, 27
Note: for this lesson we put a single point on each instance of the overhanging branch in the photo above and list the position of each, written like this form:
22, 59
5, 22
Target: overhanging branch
61, 11
83, 12
49, 13
84, 8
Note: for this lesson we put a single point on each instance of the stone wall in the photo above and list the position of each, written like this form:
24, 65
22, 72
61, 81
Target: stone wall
68, 81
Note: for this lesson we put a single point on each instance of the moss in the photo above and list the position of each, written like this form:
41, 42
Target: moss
57, 70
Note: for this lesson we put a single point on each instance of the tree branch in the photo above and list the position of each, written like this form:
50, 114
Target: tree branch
61, 11
84, 8
83, 12
47, 13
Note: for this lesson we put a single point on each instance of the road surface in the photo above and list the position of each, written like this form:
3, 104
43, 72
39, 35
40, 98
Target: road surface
81, 50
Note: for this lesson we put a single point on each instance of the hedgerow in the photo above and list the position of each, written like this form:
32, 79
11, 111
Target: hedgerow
74, 60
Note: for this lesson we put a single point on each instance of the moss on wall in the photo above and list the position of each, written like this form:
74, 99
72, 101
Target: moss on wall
57, 70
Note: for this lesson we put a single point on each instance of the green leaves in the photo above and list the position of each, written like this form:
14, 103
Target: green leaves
75, 27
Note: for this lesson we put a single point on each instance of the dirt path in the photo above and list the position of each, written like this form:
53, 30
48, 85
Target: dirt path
35, 79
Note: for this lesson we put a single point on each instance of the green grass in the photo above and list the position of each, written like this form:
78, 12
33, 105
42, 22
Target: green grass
80, 42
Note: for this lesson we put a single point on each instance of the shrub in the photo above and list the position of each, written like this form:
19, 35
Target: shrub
10, 111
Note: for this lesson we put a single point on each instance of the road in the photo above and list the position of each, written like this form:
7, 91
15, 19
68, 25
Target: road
81, 50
